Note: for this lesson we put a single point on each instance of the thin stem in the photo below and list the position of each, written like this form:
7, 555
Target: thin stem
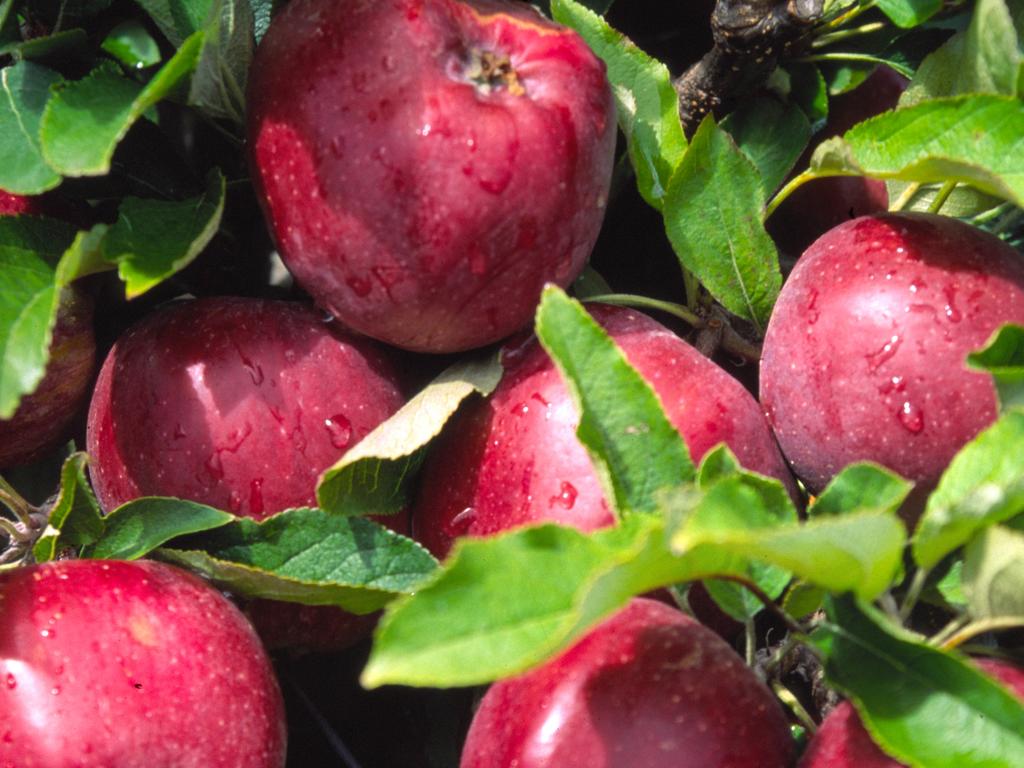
11, 499
976, 628
780, 653
942, 196
12, 531
905, 197
692, 287
786, 697
843, 34
628, 299
789, 188
888, 603
1009, 221
949, 630
849, 15
913, 593
816, 57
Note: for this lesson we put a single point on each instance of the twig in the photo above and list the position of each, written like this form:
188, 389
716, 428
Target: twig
980, 627
750, 36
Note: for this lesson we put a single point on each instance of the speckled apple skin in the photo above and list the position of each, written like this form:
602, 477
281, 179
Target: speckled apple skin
842, 741
864, 354
236, 403
133, 665
648, 688
419, 209
514, 458
44, 417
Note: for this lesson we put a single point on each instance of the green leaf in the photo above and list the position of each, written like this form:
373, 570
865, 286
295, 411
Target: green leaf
131, 44
926, 707
85, 120
771, 134
983, 485
26, 88
30, 298
501, 605
1003, 358
56, 48
135, 529
993, 574
218, 86
951, 586
713, 217
859, 552
308, 556
75, 518
646, 102
262, 10
635, 450
153, 239
808, 90
984, 58
909, 13
374, 476
861, 486
178, 19
28, 311
803, 599
976, 140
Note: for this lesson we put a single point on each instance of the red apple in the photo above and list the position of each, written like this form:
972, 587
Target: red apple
843, 742
819, 205
240, 404
134, 665
514, 458
43, 418
426, 166
648, 688
864, 353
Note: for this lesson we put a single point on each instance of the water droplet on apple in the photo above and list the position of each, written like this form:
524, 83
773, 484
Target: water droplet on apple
55, 691
254, 370
179, 432
12, 683
884, 353
952, 312
566, 496
340, 430
235, 502
337, 146
49, 634
811, 310
911, 417
388, 62
256, 496
520, 409
215, 466
360, 286
460, 524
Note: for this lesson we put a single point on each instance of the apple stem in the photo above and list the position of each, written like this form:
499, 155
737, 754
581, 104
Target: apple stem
845, 16
843, 34
750, 642
13, 500
980, 627
940, 198
913, 593
798, 181
731, 340
793, 703
905, 197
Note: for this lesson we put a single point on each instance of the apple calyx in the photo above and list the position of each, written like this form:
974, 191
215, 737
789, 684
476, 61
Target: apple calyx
21, 533
488, 71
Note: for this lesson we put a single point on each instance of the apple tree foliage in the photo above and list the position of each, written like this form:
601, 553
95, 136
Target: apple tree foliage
85, 81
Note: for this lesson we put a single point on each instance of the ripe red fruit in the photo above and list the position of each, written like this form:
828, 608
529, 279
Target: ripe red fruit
240, 404
843, 742
648, 688
819, 205
864, 354
44, 417
235, 403
134, 665
514, 458
427, 165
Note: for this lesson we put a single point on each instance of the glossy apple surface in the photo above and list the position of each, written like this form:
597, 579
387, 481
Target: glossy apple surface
822, 204
133, 665
864, 353
843, 742
427, 165
648, 688
514, 459
235, 403
240, 404
43, 418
